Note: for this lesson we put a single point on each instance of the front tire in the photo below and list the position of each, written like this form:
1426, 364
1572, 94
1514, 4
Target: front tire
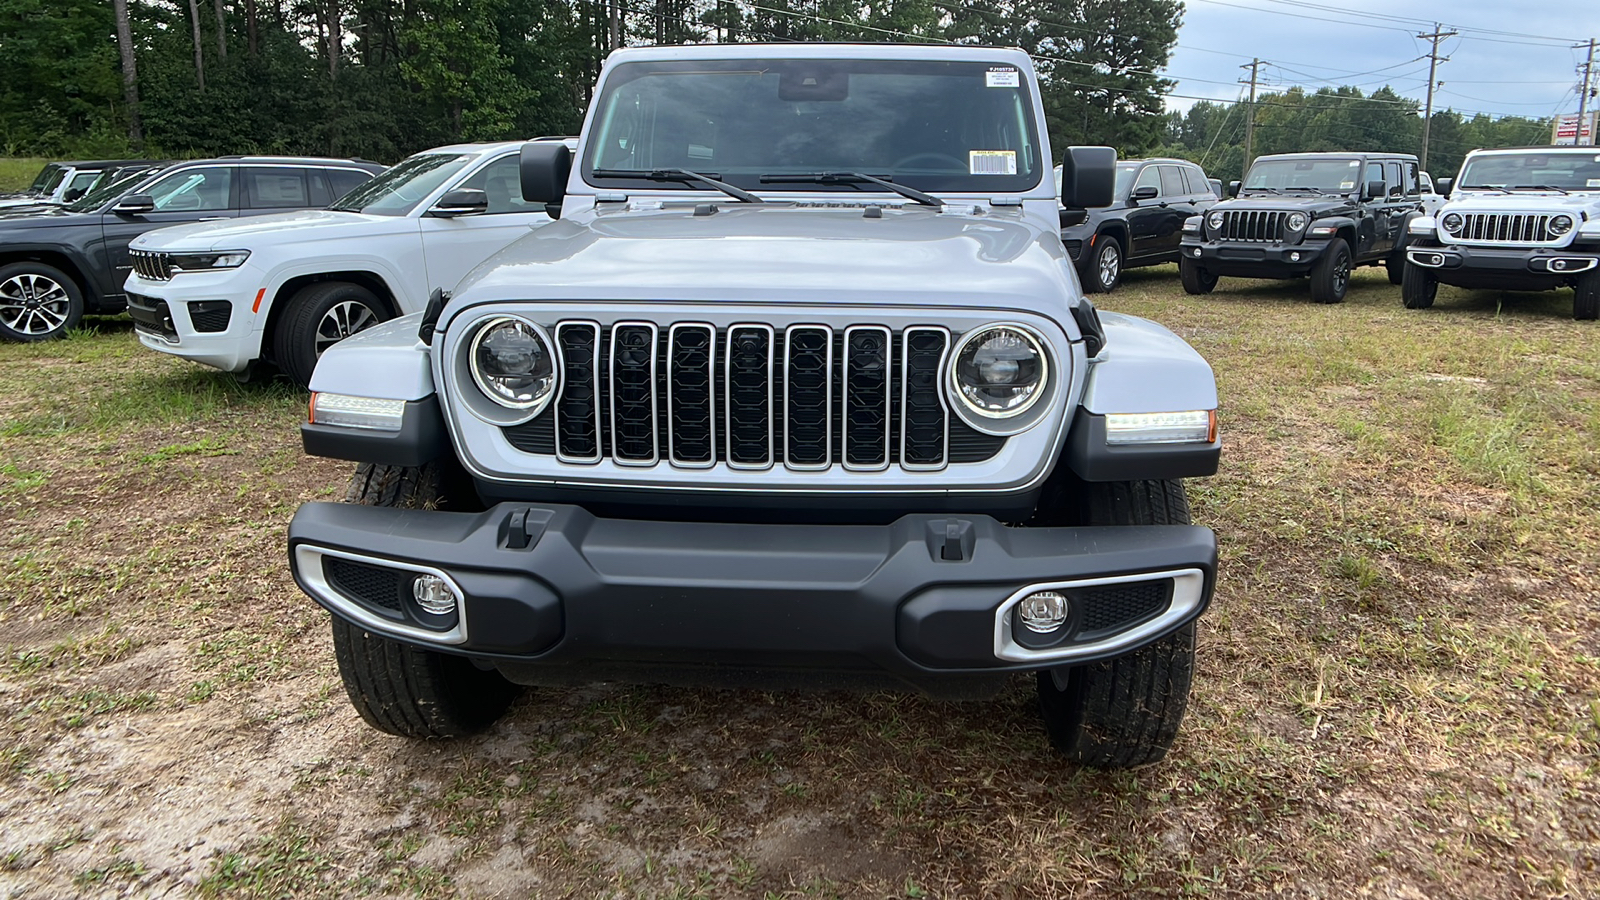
1330, 277
399, 688
1586, 297
1124, 711
37, 302
319, 316
1418, 287
1195, 279
1105, 266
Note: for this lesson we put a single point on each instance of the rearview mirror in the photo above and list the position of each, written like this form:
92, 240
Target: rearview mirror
135, 205
1088, 177
461, 202
545, 166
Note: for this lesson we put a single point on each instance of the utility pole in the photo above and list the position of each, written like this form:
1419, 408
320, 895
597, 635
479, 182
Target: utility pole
1250, 116
1583, 96
1433, 64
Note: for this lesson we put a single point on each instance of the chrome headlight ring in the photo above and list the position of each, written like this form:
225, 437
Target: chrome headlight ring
1015, 357
513, 365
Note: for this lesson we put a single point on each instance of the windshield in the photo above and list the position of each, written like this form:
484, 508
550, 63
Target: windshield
48, 177
1326, 175
934, 126
106, 193
399, 189
1579, 171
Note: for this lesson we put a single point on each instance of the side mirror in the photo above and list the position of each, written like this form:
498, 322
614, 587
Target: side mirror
135, 205
1375, 190
1233, 189
1148, 192
461, 202
545, 166
1088, 177
1071, 217
1216, 186
1443, 186
73, 195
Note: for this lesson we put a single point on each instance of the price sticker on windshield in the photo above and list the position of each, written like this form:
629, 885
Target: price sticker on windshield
1002, 77
1592, 182
991, 162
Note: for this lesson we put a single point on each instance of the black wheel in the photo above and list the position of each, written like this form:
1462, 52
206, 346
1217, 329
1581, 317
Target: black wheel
319, 316
1586, 298
1195, 279
1125, 711
399, 688
1105, 266
1418, 287
37, 302
1396, 266
1330, 277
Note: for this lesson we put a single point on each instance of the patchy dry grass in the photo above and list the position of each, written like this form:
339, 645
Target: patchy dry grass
17, 172
1399, 692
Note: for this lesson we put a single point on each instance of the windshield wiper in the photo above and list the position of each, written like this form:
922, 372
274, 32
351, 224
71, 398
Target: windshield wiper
854, 178
1537, 187
1272, 189
679, 175
1304, 187
1484, 187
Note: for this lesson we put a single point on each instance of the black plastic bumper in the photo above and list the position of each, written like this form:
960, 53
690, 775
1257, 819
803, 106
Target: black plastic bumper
552, 594
1530, 269
1241, 259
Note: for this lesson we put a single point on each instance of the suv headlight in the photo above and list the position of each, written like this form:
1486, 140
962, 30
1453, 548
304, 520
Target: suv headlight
200, 262
999, 372
1214, 220
1295, 221
1451, 223
512, 364
1561, 224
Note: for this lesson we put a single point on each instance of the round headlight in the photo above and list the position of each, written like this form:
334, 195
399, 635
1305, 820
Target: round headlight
1295, 221
512, 364
999, 371
1214, 220
1560, 224
1451, 223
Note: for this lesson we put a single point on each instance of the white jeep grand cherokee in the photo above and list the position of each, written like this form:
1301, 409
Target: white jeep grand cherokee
284, 287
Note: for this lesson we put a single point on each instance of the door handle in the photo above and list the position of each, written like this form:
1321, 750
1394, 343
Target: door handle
213, 218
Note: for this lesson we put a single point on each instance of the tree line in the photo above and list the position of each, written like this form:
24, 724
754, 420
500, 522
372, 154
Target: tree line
380, 79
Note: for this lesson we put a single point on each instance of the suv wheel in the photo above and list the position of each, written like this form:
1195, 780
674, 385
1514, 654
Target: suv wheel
1330, 277
1105, 266
37, 302
319, 316
1418, 287
399, 688
1586, 298
1195, 279
1125, 711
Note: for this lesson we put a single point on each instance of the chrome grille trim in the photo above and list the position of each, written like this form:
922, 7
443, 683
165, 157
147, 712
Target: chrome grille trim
650, 385
711, 394
568, 367
888, 397
771, 335
1506, 228
150, 265
789, 377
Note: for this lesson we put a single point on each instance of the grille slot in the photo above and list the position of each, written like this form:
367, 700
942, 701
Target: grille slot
633, 393
691, 380
1252, 225
749, 392
577, 412
868, 405
1506, 228
150, 265
1121, 606
374, 586
925, 424
808, 397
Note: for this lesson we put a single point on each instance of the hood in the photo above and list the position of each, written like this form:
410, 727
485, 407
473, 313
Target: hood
1526, 201
41, 215
783, 254
235, 234
1318, 203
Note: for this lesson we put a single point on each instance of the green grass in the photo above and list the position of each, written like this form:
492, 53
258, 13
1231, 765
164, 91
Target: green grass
16, 173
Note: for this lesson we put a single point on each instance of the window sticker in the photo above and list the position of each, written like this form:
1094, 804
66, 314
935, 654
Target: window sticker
1354, 163
992, 162
1346, 185
1002, 77
1593, 182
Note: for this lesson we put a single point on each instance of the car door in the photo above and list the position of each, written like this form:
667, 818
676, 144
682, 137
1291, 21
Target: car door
1146, 217
453, 245
190, 194
1388, 211
1177, 202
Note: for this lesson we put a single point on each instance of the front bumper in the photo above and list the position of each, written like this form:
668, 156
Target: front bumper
553, 594
1252, 259
1539, 268
205, 317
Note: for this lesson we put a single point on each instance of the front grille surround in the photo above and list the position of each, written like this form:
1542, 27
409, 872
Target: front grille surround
1526, 228
151, 265
1262, 226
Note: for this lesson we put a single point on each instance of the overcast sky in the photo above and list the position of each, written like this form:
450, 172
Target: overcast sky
1510, 58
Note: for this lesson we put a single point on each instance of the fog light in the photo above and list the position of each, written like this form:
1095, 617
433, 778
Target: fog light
1558, 264
1294, 256
1195, 253
434, 595
1043, 611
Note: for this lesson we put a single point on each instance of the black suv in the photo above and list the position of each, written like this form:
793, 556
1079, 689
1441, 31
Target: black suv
58, 263
1300, 214
1142, 225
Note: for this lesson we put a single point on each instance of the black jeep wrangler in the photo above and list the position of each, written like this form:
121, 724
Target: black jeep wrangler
1306, 214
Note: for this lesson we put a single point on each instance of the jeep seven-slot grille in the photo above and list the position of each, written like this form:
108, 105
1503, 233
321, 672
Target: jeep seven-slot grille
151, 266
807, 397
1505, 228
1251, 225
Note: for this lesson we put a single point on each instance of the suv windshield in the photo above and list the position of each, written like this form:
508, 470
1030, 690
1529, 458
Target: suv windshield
106, 193
48, 177
1326, 175
400, 188
1572, 171
934, 126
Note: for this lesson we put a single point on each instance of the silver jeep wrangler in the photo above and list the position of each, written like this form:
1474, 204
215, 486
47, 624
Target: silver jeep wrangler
799, 391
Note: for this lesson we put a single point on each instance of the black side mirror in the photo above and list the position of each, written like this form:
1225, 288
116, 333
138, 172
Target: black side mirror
135, 205
545, 166
1375, 189
461, 202
1443, 186
1088, 177
73, 195
1071, 217
1148, 192
1233, 189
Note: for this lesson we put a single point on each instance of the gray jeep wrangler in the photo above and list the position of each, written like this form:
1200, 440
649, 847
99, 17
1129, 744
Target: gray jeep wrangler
800, 391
